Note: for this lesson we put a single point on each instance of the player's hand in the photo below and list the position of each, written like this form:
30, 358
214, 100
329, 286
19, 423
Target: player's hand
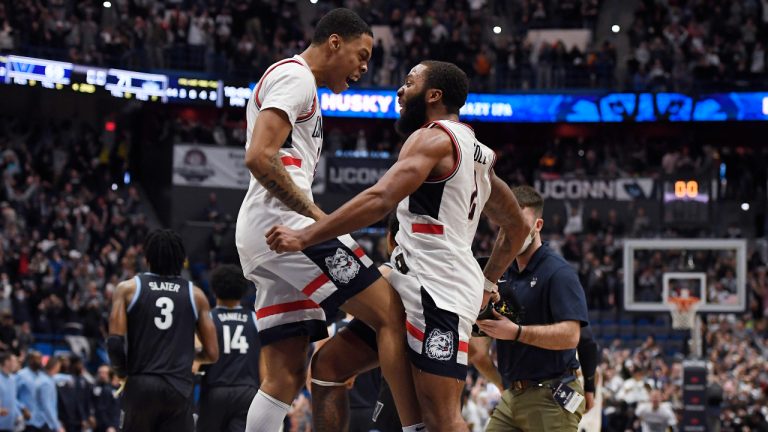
283, 239
3, 412
26, 414
494, 297
589, 401
499, 328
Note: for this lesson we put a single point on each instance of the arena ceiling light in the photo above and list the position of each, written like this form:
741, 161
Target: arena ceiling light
497, 29
745, 206
313, 1
615, 28
107, 4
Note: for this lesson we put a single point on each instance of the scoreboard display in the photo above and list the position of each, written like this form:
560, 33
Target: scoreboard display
118, 83
686, 201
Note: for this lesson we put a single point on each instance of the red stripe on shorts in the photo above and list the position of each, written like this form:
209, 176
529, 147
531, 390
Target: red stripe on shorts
286, 307
427, 228
359, 252
315, 284
418, 334
287, 160
463, 346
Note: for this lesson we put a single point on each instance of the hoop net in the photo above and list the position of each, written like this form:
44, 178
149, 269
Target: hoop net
683, 310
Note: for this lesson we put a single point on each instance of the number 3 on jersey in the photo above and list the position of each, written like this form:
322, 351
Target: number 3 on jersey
165, 320
234, 341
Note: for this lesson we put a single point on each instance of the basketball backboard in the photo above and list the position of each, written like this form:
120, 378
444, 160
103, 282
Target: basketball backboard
713, 270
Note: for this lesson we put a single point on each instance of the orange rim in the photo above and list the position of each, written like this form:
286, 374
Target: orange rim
684, 304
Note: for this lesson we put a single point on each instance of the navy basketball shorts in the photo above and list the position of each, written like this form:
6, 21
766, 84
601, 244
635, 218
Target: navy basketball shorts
296, 291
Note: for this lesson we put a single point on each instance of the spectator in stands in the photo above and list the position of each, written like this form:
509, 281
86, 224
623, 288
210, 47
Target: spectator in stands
46, 417
634, 389
10, 413
655, 415
105, 416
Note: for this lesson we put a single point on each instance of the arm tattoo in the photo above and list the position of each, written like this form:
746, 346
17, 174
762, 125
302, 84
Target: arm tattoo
279, 183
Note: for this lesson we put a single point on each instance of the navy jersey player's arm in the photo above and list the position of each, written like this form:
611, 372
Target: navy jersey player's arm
206, 330
503, 210
263, 160
118, 318
426, 152
118, 326
480, 358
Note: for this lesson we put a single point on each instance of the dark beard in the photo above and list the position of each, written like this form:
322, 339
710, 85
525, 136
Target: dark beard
414, 116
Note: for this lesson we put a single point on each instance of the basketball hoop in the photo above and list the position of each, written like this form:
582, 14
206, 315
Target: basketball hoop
683, 310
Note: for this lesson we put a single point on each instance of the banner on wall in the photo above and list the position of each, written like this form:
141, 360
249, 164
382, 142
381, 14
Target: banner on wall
622, 189
566, 107
210, 166
349, 175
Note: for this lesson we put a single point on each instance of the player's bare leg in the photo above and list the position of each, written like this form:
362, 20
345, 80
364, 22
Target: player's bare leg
283, 368
380, 307
439, 398
342, 357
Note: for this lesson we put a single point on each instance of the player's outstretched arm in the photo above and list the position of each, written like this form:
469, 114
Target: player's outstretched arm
503, 210
118, 327
263, 160
206, 330
421, 153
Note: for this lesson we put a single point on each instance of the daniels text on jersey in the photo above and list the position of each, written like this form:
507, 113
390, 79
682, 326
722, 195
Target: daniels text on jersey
232, 316
164, 286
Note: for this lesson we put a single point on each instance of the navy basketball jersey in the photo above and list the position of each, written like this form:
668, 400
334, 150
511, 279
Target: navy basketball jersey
239, 349
162, 318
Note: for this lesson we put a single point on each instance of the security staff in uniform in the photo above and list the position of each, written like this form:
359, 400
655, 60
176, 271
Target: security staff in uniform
158, 315
229, 385
537, 357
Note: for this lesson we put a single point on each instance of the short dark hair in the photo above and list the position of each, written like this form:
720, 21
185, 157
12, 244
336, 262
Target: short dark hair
4, 356
343, 22
529, 197
165, 252
228, 283
451, 80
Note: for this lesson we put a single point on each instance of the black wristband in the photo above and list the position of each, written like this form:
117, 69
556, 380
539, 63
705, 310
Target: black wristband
589, 384
519, 332
117, 354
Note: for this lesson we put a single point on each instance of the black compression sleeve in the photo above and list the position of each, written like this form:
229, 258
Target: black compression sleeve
588, 357
117, 356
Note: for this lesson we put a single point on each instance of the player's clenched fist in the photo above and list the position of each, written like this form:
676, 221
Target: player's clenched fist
283, 239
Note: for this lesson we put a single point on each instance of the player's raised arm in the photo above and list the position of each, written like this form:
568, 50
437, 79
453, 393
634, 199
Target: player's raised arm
503, 210
205, 330
421, 153
118, 327
263, 160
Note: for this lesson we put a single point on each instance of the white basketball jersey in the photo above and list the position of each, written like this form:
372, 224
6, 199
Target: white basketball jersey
290, 87
438, 223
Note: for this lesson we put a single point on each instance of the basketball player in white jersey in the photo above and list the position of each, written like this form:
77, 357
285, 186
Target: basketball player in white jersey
298, 290
441, 182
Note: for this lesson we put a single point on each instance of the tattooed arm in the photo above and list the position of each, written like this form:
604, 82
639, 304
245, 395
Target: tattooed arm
502, 209
263, 160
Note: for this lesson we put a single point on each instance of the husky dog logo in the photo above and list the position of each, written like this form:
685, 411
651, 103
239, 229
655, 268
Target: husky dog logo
440, 345
342, 267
